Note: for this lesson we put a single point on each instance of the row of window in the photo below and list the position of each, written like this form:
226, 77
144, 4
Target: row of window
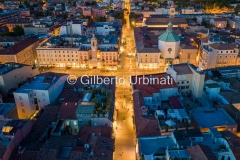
146, 60
85, 59
226, 52
183, 82
183, 87
227, 56
225, 61
57, 51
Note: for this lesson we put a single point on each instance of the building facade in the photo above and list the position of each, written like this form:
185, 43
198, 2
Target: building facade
23, 52
80, 52
13, 74
40, 92
214, 53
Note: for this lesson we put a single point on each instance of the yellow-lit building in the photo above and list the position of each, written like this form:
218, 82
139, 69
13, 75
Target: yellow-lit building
79, 52
22, 52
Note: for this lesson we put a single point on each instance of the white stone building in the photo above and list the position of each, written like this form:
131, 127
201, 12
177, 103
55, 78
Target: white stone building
40, 92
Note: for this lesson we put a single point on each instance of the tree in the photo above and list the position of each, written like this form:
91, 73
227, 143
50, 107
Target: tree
18, 30
95, 100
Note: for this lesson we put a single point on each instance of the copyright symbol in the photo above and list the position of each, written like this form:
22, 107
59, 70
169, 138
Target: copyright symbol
71, 79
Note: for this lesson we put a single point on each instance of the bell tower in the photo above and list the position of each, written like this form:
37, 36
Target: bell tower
172, 10
94, 47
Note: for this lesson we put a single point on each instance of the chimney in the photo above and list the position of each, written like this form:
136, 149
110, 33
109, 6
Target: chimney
199, 66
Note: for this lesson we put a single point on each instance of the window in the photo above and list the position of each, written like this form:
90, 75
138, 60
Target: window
182, 82
20, 97
76, 59
74, 123
187, 87
22, 104
23, 110
43, 94
182, 87
187, 81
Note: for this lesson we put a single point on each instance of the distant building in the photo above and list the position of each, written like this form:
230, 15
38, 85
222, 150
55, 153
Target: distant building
35, 95
94, 12
22, 52
9, 15
25, 13
43, 26
190, 79
219, 22
19, 22
162, 22
13, 74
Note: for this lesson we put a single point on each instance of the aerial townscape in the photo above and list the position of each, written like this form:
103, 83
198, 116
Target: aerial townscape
119, 79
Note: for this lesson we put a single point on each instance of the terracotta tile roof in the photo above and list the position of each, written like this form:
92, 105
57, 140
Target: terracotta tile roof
68, 110
145, 126
102, 148
86, 132
175, 103
163, 20
153, 83
19, 46
223, 46
201, 152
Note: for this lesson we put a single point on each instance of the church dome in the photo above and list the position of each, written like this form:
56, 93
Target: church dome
169, 35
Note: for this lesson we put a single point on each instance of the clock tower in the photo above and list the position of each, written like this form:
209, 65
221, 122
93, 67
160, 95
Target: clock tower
94, 47
172, 10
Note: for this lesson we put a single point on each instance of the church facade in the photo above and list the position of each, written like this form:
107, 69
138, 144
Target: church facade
160, 53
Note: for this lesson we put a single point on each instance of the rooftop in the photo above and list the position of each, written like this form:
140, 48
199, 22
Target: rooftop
213, 85
86, 132
183, 137
181, 69
45, 119
223, 46
169, 35
6, 107
165, 21
40, 82
16, 48
10, 66
152, 83
86, 108
20, 21
68, 110
151, 145
207, 118
201, 152
175, 103
146, 126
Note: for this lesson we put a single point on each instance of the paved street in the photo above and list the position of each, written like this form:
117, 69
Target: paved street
125, 140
